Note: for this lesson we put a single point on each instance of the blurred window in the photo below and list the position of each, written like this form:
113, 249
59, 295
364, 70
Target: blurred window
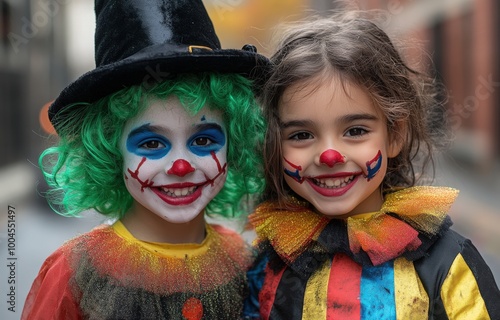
5, 18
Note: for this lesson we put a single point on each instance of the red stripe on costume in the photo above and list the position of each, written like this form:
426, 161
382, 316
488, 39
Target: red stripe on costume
268, 291
343, 298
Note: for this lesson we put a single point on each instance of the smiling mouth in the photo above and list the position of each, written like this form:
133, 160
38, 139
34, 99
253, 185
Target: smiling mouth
179, 195
333, 183
178, 192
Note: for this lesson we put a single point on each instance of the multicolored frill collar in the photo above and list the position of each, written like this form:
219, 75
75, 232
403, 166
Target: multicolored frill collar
408, 223
155, 280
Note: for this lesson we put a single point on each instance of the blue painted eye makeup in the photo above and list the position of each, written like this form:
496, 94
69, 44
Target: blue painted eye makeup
209, 138
144, 142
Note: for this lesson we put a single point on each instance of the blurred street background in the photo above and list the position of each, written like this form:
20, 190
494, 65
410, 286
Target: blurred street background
46, 44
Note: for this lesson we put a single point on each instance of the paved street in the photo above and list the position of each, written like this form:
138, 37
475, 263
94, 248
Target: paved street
38, 233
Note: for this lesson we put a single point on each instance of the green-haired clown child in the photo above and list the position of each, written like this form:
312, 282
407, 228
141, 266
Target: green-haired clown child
161, 133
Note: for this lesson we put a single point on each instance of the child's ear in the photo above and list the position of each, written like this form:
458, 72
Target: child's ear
397, 140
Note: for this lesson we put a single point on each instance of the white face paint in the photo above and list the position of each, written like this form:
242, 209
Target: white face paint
174, 162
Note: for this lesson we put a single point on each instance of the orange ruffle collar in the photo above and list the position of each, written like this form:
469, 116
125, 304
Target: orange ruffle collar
383, 235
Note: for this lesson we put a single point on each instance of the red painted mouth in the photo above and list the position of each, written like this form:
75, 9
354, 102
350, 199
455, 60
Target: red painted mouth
334, 185
179, 194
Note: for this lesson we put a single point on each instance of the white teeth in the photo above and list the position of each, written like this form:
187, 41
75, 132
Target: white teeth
179, 192
333, 183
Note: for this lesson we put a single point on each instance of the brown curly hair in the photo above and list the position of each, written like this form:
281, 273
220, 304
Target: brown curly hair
353, 48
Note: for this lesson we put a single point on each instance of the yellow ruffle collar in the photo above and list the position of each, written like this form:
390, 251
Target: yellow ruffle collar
383, 235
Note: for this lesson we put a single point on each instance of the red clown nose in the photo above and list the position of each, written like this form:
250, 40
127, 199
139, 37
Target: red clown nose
180, 168
330, 157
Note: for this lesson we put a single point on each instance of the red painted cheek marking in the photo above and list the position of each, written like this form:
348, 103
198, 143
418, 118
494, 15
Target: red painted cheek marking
180, 168
294, 174
221, 169
330, 157
373, 166
135, 175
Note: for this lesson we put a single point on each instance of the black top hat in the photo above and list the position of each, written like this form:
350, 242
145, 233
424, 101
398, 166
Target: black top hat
148, 40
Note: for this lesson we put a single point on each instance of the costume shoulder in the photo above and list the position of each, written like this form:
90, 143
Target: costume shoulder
52, 295
230, 238
234, 245
456, 278
225, 231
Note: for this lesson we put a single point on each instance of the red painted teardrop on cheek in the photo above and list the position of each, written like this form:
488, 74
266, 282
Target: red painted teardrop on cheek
180, 168
330, 157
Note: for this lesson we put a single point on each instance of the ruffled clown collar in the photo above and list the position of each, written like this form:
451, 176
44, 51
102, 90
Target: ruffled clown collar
408, 223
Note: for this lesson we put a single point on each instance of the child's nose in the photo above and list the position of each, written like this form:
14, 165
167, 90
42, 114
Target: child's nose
180, 168
331, 157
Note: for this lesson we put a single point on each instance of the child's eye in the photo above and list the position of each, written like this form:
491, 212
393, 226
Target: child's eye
152, 145
301, 136
211, 137
209, 140
202, 141
354, 132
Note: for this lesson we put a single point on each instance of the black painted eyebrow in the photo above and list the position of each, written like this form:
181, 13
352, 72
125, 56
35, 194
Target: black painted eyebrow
205, 126
158, 129
144, 128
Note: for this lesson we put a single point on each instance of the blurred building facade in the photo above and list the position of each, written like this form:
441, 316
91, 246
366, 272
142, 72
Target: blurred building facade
462, 37
32, 64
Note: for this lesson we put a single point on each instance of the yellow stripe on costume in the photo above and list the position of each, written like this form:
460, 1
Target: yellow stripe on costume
412, 301
315, 295
460, 293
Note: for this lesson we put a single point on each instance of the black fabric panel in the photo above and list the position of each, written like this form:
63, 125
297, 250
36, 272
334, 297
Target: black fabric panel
289, 299
433, 269
482, 273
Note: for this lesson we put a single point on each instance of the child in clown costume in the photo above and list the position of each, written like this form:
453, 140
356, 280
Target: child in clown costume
162, 132
347, 232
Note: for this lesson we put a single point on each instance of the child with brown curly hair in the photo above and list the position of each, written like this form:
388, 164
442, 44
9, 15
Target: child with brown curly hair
347, 231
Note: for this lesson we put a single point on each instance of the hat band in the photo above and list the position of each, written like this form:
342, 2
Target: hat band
168, 49
195, 48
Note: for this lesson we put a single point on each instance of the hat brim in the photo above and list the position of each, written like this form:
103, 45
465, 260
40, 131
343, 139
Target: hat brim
155, 67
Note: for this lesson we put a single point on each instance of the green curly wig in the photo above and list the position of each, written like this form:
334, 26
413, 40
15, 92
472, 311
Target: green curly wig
84, 171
